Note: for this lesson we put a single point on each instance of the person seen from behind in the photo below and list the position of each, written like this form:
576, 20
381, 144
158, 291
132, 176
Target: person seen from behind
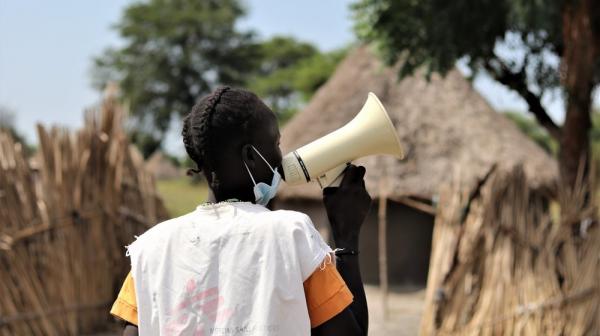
234, 267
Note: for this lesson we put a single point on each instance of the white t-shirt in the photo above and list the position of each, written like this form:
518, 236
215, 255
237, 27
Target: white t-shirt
226, 269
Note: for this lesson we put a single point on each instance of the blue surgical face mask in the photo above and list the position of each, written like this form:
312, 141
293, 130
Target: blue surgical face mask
263, 192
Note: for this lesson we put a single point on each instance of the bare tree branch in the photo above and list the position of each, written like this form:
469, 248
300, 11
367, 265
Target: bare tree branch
517, 81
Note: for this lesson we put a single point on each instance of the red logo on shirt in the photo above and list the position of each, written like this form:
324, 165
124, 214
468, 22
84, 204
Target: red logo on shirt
197, 310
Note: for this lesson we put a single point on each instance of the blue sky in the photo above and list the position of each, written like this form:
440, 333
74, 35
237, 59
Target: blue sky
46, 49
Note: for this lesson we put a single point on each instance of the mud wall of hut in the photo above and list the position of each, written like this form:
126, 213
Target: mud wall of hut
409, 240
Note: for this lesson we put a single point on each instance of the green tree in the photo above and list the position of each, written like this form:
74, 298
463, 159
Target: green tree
537, 133
289, 72
274, 78
175, 51
314, 71
532, 47
534, 131
595, 137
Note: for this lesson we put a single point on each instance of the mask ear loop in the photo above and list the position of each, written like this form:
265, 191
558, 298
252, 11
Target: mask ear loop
262, 157
249, 173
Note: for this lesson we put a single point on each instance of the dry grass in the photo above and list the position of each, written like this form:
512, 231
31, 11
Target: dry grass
181, 196
443, 123
502, 265
63, 228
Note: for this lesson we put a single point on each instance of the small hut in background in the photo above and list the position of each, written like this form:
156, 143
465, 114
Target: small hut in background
162, 167
447, 129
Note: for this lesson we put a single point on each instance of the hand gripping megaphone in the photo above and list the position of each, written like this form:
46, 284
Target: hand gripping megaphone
371, 132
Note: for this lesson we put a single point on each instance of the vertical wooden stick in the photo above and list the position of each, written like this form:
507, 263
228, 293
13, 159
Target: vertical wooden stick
382, 234
63, 225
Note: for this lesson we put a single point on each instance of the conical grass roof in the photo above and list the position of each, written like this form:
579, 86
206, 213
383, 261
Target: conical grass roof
447, 128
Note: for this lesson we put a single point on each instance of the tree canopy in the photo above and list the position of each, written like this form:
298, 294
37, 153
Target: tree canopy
533, 130
176, 51
532, 47
290, 72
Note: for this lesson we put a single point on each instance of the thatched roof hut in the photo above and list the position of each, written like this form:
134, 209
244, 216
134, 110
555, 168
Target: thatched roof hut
162, 167
444, 124
448, 131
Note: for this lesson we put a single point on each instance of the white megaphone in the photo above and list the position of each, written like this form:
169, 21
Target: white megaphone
371, 132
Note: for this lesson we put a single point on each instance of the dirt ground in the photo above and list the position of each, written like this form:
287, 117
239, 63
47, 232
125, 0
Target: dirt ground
405, 306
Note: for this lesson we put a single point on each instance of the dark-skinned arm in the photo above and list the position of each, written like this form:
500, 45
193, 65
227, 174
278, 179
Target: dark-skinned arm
130, 330
347, 207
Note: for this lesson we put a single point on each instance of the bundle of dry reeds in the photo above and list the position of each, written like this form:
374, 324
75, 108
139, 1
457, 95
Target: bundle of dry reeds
503, 265
64, 222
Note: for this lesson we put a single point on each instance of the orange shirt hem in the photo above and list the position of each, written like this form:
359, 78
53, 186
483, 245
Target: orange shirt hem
124, 311
325, 291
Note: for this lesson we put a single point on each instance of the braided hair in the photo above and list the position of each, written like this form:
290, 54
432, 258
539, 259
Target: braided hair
218, 120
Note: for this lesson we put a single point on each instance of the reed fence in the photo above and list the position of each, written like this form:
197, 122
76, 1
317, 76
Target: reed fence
503, 264
65, 217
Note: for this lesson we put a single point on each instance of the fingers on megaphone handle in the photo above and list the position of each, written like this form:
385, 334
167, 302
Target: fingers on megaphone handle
362, 172
361, 176
353, 174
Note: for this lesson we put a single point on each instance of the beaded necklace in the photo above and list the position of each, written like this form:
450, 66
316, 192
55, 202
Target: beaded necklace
229, 200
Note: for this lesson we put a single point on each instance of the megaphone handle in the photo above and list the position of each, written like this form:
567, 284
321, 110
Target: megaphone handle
333, 177
337, 181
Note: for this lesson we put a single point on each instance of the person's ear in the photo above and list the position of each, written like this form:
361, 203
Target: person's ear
248, 155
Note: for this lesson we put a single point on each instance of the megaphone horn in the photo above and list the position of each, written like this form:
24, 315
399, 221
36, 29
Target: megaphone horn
371, 132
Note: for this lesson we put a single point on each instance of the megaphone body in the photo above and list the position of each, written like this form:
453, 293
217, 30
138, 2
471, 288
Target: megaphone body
371, 132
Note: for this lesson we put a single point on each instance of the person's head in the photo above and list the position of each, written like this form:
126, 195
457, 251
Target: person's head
219, 135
